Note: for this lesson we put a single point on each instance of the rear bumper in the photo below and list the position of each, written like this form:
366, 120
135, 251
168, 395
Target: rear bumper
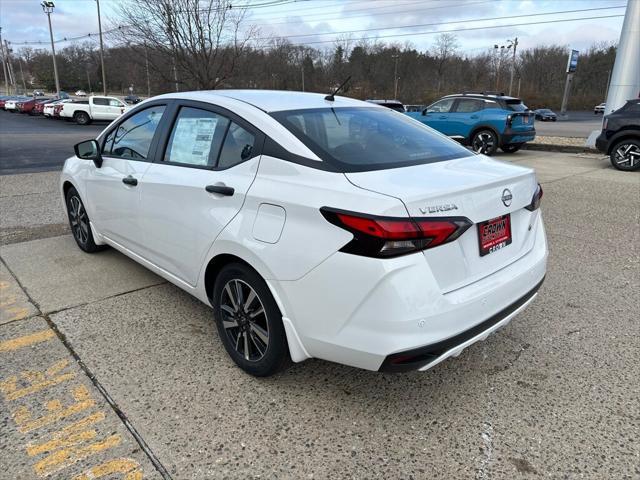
513, 136
360, 311
428, 356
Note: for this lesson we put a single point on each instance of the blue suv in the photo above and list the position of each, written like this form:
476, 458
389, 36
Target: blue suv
484, 121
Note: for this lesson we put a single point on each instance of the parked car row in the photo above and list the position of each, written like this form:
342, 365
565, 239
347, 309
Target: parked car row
82, 112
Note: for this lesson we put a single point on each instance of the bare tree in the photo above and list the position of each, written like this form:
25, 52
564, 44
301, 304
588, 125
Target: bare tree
202, 39
444, 48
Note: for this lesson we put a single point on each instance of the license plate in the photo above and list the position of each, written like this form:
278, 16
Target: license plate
526, 119
494, 234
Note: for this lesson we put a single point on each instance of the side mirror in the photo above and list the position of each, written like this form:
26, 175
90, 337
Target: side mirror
424, 112
89, 150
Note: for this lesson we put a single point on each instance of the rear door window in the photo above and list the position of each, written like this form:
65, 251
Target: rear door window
469, 105
443, 106
196, 138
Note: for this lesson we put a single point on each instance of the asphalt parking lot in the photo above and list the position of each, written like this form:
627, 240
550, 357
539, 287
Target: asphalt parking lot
36, 144
107, 371
574, 124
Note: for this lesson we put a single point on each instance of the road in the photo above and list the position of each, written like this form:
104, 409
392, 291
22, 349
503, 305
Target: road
99, 347
576, 124
37, 144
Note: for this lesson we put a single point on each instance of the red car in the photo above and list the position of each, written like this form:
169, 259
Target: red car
34, 106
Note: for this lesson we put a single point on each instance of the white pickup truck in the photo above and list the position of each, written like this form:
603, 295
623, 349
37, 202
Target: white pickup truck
95, 108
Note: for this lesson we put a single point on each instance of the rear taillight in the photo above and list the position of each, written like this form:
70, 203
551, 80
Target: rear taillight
535, 201
509, 120
605, 124
375, 236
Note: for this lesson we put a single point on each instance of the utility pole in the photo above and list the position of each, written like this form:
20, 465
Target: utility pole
4, 65
395, 76
513, 43
47, 7
302, 72
104, 74
519, 80
146, 59
24, 85
89, 81
12, 75
175, 75
499, 49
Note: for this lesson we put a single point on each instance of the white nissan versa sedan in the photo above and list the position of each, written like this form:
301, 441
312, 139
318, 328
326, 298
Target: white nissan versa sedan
314, 226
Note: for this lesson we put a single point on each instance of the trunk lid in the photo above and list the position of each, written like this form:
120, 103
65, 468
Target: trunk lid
470, 187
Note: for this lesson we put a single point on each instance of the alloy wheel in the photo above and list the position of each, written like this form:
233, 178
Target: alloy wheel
79, 220
483, 142
627, 155
244, 320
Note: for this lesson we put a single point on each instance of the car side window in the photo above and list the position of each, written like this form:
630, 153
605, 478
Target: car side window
237, 147
115, 103
100, 101
443, 106
469, 105
196, 137
490, 104
132, 138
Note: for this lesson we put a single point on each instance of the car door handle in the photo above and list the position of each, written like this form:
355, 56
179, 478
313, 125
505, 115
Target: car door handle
474, 116
442, 117
220, 189
130, 181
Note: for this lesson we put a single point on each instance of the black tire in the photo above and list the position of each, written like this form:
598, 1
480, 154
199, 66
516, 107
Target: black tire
484, 141
82, 118
243, 330
625, 155
512, 148
79, 222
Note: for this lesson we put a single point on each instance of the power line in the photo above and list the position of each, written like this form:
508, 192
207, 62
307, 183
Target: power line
443, 23
394, 12
465, 29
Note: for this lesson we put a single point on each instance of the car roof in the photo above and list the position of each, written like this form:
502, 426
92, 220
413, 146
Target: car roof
270, 100
483, 95
385, 102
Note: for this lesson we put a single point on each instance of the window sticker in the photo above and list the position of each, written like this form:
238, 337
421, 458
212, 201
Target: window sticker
192, 140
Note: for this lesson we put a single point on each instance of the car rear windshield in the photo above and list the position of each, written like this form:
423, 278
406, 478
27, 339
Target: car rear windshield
516, 105
355, 139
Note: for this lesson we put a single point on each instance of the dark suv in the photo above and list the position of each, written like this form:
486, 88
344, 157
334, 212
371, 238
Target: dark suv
620, 136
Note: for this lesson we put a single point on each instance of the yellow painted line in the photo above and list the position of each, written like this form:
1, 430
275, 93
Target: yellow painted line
37, 380
26, 341
120, 465
22, 416
68, 456
70, 435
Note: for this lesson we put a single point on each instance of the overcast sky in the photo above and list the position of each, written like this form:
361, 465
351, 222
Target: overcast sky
397, 21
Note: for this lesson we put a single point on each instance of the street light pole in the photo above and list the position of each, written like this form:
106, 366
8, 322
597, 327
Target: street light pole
47, 7
104, 75
395, 77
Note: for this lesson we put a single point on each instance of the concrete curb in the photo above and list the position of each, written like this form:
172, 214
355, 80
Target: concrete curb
549, 147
